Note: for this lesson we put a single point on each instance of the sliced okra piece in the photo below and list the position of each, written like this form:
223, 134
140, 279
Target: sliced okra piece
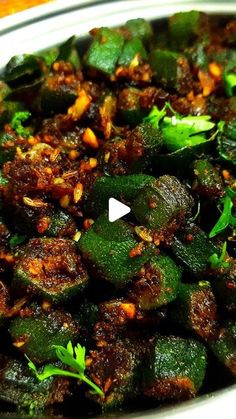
61, 225
174, 369
35, 335
195, 309
224, 347
56, 97
163, 204
192, 248
19, 387
224, 286
156, 284
112, 251
104, 51
51, 268
226, 141
140, 28
132, 48
7, 147
123, 188
207, 179
230, 33
117, 368
142, 144
185, 27
171, 70
129, 108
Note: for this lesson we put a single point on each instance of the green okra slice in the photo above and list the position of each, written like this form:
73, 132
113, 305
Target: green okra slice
7, 147
174, 369
51, 268
19, 387
185, 27
118, 364
131, 49
104, 51
55, 96
129, 107
124, 188
224, 347
108, 248
192, 248
224, 286
156, 284
171, 70
226, 141
61, 225
35, 335
207, 180
140, 28
195, 309
162, 204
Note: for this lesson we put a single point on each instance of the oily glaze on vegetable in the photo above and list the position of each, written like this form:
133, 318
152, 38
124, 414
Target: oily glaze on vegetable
98, 316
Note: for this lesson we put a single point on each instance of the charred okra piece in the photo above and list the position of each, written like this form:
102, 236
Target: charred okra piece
139, 28
192, 248
129, 106
112, 251
185, 27
207, 179
162, 204
156, 284
116, 367
123, 188
174, 369
4, 297
57, 96
226, 141
195, 309
142, 144
104, 50
61, 225
51, 268
35, 335
224, 286
171, 70
225, 347
18, 386
7, 147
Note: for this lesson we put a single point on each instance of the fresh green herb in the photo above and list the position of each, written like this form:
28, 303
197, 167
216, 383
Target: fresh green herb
204, 283
219, 262
73, 358
230, 83
16, 123
226, 219
3, 180
17, 239
180, 131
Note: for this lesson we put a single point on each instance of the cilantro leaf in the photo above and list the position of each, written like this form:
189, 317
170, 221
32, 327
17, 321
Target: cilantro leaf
219, 262
180, 131
17, 120
73, 358
229, 79
226, 219
17, 239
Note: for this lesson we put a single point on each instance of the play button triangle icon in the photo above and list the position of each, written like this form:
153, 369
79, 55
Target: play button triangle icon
116, 209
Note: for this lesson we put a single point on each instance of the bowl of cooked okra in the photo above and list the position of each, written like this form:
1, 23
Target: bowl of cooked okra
134, 317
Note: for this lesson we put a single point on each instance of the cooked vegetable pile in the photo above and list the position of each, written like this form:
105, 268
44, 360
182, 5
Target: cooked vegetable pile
98, 315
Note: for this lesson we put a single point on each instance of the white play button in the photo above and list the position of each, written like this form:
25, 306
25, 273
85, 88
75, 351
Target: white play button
116, 210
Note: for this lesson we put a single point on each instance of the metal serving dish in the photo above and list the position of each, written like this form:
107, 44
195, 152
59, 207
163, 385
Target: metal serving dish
50, 24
